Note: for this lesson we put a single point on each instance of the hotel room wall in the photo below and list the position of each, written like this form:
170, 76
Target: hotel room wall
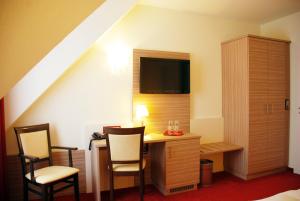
289, 28
29, 32
98, 87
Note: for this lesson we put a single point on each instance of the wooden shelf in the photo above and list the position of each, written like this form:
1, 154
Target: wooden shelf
218, 147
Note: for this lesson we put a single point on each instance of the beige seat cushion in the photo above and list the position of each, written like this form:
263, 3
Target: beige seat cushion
131, 167
52, 173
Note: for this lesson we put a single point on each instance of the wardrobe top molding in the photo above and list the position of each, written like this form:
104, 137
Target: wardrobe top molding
258, 37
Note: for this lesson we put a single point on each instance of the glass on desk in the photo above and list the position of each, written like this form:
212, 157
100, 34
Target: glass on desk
176, 125
170, 125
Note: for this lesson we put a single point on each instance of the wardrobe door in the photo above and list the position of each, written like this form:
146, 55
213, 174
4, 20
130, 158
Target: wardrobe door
258, 105
278, 121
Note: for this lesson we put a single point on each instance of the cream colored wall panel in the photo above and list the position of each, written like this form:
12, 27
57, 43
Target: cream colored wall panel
210, 129
30, 29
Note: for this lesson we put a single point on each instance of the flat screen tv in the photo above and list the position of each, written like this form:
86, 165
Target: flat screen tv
164, 76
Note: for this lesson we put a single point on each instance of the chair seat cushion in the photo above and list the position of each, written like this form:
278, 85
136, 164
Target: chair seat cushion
130, 167
52, 173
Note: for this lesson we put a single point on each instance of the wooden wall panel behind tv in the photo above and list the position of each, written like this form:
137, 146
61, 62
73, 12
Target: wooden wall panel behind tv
162, 107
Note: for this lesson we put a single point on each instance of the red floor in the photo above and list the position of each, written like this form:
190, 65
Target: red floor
225, 188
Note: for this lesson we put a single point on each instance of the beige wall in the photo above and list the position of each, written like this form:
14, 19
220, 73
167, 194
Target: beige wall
30, 29
289, 28
98, 87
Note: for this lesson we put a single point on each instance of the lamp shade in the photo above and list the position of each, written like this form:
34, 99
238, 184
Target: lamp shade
141, 111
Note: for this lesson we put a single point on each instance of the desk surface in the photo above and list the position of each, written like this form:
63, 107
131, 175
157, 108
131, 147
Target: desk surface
153, 138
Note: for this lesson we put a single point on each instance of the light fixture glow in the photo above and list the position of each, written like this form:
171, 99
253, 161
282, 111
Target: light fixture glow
141, 112
118, 56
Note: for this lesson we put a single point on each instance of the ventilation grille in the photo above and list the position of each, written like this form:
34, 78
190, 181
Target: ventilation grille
182, 188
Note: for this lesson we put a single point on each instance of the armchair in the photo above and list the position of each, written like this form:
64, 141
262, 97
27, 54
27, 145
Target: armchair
34, 147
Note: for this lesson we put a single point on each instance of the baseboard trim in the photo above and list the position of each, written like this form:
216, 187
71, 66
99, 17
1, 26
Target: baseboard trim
266, 173
296, 170
258, 174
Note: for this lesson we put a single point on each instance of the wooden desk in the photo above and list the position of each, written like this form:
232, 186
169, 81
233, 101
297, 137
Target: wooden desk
174, 162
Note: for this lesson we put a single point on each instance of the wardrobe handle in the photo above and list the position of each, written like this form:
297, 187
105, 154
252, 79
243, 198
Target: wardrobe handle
267, 108
287, 104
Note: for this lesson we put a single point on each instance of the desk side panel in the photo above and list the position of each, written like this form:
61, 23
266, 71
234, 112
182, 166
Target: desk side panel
158, 167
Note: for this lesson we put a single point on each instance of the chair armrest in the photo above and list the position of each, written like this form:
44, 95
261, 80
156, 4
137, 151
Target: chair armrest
32, 160
69, 149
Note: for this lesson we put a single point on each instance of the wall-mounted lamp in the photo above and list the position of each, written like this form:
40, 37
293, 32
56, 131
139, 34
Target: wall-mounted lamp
118, 56
141, 112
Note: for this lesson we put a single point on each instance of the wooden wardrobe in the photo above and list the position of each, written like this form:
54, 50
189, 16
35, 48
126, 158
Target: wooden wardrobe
255, 78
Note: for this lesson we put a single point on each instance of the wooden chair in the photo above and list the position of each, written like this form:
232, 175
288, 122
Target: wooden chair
125, 154
34, 147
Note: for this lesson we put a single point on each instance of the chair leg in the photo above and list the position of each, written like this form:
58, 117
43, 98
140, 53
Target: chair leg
76, 188
45, 194
142, 185
25, 190
51, 193
111, 183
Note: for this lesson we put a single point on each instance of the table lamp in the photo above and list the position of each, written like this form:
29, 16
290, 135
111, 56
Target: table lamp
141, 112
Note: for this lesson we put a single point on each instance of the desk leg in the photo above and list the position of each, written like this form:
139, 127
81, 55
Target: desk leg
96, 173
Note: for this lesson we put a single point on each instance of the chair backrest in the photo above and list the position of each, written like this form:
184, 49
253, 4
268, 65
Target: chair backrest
124, 145
34, 141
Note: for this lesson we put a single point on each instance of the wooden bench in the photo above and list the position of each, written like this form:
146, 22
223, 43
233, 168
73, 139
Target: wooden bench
218, 147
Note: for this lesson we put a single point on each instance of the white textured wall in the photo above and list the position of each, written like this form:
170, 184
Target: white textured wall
289, 28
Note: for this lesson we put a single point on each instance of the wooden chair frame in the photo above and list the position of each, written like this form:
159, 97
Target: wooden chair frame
125, 131
47, 190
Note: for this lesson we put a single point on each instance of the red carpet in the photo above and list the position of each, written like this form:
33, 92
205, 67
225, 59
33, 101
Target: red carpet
225, 188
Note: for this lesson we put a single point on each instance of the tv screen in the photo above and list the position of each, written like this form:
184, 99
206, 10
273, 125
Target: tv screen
164, 76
